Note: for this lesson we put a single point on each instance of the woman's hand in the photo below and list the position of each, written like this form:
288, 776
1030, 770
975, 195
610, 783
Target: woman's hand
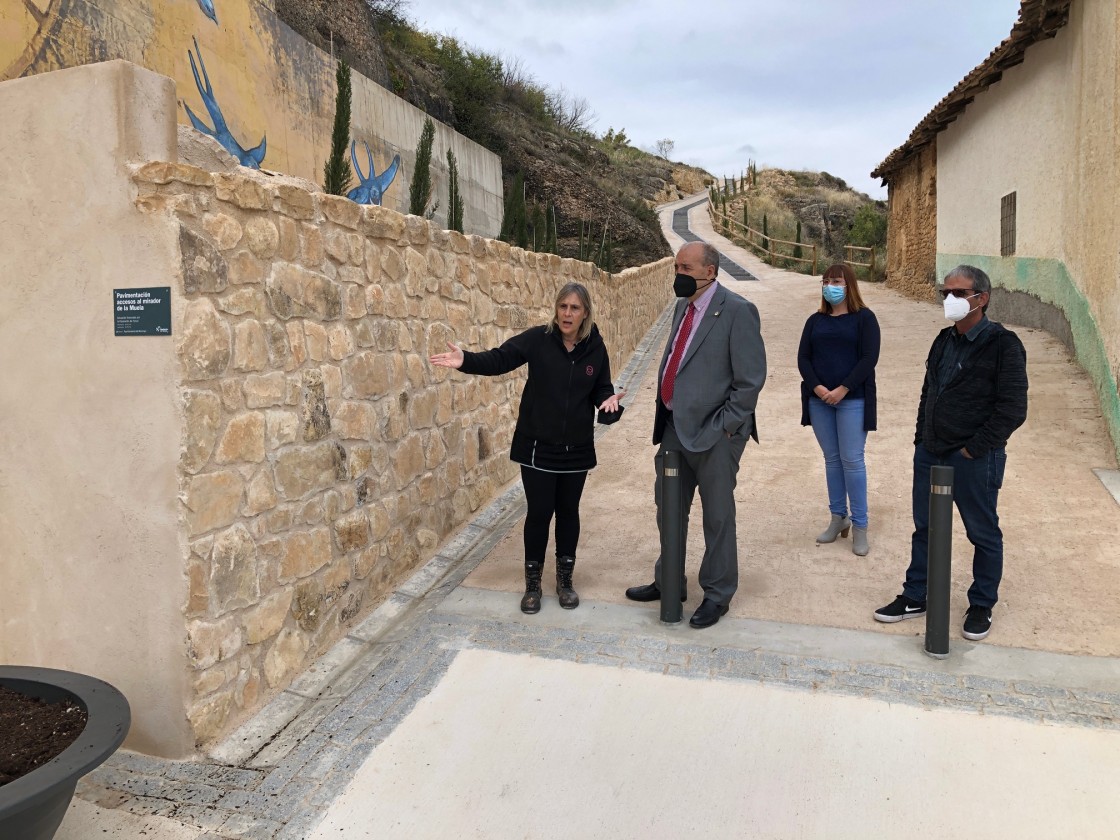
610, 404
454, 359
834, 396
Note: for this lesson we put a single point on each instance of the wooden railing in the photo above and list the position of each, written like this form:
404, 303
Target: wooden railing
849, 252
765, 241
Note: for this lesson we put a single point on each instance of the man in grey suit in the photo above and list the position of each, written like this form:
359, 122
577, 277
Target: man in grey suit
713, 368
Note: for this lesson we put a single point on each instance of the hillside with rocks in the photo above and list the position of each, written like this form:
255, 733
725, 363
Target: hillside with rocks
601, 189
832, 214
591, 184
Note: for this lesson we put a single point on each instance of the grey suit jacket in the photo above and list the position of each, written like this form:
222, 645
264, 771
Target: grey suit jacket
720, 376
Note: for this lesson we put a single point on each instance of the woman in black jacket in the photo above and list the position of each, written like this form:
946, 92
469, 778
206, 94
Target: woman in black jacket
554, 441
837, 356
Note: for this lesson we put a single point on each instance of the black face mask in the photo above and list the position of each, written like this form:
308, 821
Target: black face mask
684, 285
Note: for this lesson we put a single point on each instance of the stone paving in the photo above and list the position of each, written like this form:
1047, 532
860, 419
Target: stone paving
276, 776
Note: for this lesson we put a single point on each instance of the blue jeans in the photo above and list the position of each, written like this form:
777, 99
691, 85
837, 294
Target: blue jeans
976, 484
839, 431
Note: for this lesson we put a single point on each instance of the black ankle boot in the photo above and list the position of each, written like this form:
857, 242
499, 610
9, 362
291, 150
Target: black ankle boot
531, 602
569, 600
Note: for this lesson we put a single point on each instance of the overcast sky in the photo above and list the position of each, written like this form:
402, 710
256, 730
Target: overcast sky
831, 85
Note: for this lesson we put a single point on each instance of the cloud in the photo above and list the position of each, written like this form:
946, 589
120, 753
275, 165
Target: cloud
552, 49
830, 85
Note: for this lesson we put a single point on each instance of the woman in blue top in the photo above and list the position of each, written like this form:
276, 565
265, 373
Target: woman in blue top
837, 356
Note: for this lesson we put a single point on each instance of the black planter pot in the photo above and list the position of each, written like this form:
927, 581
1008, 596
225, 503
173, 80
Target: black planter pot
32, 807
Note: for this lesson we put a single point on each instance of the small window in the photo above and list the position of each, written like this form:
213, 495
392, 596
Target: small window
1007, 225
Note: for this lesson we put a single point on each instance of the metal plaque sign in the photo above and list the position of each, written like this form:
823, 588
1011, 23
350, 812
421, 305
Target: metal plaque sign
142, 311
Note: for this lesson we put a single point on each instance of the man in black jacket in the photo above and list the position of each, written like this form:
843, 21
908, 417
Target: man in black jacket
973, 397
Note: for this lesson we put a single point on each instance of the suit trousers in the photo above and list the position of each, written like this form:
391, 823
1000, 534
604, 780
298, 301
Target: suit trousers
714, 473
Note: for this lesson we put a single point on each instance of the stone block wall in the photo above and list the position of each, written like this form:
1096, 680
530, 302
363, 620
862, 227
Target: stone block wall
322, 457
912, 226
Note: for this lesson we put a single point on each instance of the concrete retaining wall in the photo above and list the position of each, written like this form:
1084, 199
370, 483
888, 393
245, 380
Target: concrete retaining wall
267, 79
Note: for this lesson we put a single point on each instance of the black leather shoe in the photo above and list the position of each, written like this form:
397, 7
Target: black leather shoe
707, 613
649, 592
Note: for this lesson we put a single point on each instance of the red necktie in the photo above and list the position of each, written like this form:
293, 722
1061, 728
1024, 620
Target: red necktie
670, 377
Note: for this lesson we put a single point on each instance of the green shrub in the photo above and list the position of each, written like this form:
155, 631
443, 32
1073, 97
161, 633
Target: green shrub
869, 227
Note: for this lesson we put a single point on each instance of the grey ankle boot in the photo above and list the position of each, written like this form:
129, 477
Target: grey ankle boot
531, 602
859, 542
565, 566
838, 526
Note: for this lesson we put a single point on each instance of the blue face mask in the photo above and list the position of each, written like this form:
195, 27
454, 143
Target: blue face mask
833, 294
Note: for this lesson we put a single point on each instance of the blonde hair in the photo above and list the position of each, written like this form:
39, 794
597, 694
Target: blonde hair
853, 297
580, 291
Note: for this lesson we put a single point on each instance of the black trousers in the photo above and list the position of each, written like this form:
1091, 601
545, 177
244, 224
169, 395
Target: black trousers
546, 494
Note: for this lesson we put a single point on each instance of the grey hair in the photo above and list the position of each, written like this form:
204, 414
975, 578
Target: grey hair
709, 256
980, 281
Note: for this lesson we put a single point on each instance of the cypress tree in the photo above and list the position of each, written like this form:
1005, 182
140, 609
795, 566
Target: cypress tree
540, 233
515, 222
551, 247
420, 190
765, 232
454, 197
337, 174
797, 247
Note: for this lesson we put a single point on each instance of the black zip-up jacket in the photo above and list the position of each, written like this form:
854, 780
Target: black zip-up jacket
979, 407
563, 390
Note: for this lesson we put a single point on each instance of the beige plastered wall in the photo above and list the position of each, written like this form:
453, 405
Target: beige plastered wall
91, 572
268, 80
1048, 132
202, 516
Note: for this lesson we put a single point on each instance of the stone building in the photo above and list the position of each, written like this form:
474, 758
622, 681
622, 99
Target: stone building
1016, 171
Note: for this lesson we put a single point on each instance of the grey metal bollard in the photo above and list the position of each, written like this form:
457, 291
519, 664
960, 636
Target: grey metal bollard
940, 561
672, 537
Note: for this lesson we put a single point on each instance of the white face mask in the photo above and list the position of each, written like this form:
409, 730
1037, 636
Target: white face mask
957, 308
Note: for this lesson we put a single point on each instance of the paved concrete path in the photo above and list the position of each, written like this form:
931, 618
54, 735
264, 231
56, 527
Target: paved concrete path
448, 713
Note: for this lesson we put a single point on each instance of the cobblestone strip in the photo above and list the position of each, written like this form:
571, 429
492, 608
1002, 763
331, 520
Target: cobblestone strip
289, 798
1033, 701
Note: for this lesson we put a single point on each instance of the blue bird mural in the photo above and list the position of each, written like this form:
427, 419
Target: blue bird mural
373, 186
220, 132
207, 7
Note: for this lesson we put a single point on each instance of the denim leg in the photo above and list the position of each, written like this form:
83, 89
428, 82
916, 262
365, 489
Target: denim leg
823, 418
976, 485
915, 586
852, 437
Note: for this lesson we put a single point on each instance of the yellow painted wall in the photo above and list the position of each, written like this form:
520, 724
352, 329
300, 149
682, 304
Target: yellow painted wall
268, 80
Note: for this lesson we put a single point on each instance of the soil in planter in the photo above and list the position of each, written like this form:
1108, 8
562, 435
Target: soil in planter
32, 732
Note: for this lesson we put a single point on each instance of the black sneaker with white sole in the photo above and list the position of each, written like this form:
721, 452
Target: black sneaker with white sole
977, 623
900, 608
